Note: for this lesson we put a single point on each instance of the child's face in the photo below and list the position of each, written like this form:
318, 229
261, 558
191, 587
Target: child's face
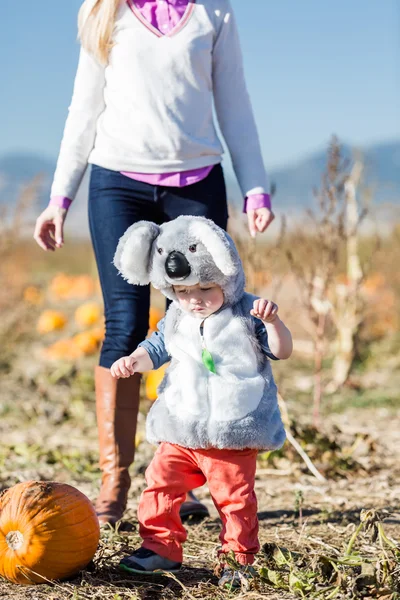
200, 300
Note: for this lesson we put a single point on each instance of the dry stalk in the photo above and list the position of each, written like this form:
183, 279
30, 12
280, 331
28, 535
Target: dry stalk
348, 309
11, 226
295, 444
333, 226
258, 257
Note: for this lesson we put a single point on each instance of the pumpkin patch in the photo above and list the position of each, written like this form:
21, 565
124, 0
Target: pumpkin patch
48, 531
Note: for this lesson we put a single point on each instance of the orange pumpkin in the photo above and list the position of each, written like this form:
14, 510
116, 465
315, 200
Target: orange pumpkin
153, 380
60, 285
83, 286
86, 342
98, 333
64, 349
88, 314
48, 531
64, 286
32, 295
154, 317
51, 320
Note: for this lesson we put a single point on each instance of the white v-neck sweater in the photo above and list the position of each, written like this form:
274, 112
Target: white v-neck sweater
150, 109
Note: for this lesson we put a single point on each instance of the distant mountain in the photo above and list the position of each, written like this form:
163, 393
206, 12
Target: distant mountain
294, 182
16, 170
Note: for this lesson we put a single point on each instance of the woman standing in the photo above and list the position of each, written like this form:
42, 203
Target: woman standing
142, 116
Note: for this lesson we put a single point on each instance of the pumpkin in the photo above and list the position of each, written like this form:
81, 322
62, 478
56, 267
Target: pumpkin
154, 317
83, 286
48, 531
88, 314
60, 285
64, 349
86, 342
51, 320
98, 333
64, 286
153, 380
32, 295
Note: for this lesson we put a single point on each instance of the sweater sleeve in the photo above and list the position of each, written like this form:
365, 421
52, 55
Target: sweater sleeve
233, 107
262, 337
155, 346
80, 128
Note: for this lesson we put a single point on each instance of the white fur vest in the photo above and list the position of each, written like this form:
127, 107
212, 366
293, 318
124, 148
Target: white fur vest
236, 407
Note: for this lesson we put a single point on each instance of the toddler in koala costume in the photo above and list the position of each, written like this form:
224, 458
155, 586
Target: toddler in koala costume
217, 404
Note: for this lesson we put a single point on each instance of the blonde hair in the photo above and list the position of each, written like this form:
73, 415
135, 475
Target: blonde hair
96, 25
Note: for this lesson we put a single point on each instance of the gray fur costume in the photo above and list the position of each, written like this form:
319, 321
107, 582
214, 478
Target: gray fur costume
236, 407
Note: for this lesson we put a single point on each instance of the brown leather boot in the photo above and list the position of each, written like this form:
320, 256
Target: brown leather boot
117, 405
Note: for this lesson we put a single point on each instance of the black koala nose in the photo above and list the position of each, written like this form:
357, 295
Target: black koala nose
176, 265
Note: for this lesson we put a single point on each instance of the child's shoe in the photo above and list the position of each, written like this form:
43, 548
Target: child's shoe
146, 561
238, 577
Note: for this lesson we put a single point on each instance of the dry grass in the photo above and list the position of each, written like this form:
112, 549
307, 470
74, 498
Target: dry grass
48, 432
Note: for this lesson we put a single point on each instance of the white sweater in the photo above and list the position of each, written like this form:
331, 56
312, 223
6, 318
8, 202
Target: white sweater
150, 109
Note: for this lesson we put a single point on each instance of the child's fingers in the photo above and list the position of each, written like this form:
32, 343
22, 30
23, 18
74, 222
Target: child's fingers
126, 365
270, 311
264, 309
267, 308
115, 371
129, 364
262, 304
273, 309
124, 368
119, 368
259, 308
256, 307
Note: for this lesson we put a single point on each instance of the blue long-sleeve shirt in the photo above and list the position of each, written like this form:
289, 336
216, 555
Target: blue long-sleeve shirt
155, 344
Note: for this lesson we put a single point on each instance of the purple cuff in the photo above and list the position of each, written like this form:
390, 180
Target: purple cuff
61, 201
257, 201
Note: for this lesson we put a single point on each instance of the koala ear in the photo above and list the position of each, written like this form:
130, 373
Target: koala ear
216, 242
132, 257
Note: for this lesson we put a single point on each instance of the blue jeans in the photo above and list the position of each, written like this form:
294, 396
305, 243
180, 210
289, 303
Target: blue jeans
115, 203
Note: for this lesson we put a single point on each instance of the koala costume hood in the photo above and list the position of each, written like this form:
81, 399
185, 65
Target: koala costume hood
236, 407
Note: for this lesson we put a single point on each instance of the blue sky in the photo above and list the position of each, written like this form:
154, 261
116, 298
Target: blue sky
313, 68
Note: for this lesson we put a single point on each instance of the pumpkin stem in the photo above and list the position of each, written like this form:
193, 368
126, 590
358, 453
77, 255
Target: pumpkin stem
14, 540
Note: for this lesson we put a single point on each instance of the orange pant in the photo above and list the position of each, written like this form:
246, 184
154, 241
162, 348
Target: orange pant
230, 476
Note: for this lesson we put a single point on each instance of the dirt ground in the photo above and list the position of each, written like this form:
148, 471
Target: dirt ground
296, 511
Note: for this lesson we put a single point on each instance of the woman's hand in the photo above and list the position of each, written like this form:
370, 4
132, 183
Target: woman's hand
259, 219
49, 229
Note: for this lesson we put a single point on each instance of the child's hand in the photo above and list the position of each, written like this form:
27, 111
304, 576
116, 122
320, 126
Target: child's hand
124, 367
266, 310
